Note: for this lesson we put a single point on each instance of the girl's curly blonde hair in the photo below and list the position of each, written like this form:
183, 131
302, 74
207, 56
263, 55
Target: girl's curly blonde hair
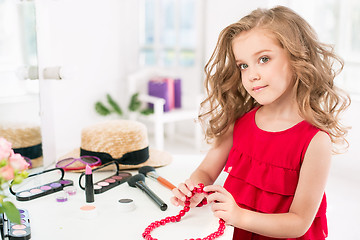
320, 101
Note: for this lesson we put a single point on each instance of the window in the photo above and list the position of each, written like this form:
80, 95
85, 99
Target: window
17, 25
18, 51
168, 33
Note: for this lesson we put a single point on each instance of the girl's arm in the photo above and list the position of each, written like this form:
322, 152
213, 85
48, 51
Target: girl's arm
207, 171
309, 192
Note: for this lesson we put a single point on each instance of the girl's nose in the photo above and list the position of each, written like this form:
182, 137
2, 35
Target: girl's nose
254, 75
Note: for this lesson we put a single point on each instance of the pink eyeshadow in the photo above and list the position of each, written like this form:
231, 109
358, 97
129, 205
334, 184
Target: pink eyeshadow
103, 184
117, 177
87, 208
18, 226
45, 187
19, 232
123, 174
35, 190
110, 180
97, 187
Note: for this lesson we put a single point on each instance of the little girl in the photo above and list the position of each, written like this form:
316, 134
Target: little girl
273, 113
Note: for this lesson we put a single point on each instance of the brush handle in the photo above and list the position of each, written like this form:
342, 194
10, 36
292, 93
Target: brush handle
166, 183
141, 185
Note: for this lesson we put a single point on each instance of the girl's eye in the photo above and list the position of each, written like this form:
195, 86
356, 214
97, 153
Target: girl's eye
243, 66
264, 59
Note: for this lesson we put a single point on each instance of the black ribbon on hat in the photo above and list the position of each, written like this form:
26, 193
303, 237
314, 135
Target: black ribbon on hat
131, 158
30, 152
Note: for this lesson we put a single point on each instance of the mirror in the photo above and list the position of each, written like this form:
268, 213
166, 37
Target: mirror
19, 95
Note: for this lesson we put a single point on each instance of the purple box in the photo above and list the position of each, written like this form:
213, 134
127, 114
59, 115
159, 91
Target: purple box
177, 93
159, 88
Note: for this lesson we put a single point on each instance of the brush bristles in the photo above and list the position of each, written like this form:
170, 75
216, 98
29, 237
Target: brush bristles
145, 169
136, 178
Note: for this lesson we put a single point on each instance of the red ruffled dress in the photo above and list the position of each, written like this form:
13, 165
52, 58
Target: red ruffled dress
264, 170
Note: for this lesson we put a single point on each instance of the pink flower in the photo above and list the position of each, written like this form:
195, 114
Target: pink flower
5, 148
7, 172
17, 162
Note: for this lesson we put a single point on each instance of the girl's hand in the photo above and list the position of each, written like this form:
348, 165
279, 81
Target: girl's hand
183, 191
224, 206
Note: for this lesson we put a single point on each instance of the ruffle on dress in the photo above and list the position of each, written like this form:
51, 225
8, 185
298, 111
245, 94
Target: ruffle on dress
263, 175
267, 188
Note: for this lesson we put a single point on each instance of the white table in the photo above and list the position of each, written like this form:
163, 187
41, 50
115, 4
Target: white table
53, 220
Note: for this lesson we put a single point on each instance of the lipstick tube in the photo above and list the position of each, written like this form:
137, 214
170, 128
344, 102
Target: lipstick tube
89, 186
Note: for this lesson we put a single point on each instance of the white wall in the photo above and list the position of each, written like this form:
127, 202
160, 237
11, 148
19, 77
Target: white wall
92, 38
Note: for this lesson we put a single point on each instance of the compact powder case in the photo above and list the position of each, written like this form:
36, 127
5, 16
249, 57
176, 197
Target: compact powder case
109, 182
126, 205
88, 212
15, 231
43, 190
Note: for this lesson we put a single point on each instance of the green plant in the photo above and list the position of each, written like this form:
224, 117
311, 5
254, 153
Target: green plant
113, 107
135, 104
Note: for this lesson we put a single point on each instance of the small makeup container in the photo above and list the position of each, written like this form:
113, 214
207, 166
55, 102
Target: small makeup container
43, 190
15, 231
61, 197
88, 212
70, 190
109, 182
126, 205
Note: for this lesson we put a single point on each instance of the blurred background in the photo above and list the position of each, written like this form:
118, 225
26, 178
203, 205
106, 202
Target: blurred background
59, 57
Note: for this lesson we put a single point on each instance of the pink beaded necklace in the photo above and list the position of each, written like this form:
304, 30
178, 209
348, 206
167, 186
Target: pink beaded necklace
146, 234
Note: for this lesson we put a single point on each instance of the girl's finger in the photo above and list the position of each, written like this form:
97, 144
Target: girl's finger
189, 184
184, 190
215, 188
218, 207
217, 197
196, 199
177, 193
174, 201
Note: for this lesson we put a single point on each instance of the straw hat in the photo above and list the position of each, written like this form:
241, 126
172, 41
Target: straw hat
122, 140
25, 139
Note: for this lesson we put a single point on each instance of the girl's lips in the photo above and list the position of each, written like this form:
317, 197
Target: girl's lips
258, 88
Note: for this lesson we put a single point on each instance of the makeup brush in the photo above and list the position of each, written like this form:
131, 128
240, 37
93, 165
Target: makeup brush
151, 173
138, 181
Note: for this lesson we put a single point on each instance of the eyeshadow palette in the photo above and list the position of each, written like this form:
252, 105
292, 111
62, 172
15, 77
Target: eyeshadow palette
43, 190
15, 231
110, 182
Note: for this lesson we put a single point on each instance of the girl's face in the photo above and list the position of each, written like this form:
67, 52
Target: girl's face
265, 68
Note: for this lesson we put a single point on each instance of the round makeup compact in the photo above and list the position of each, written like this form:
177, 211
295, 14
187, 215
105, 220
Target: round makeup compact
61, 197
70, 190
126, 204
88, 212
